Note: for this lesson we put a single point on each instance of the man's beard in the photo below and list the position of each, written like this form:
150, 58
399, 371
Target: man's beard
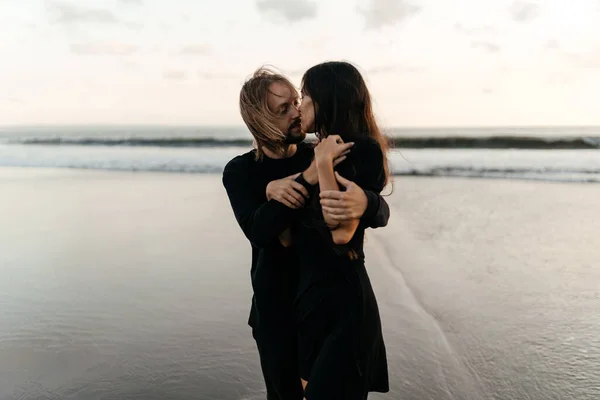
294, 134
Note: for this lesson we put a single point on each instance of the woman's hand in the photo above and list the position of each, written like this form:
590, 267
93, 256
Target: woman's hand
311, 175
331, 148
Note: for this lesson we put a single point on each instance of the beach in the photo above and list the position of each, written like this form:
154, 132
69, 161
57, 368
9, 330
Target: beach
122, 285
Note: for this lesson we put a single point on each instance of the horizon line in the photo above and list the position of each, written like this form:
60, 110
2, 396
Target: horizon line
240, 126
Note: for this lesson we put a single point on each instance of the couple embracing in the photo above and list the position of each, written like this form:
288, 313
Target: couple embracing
305, 208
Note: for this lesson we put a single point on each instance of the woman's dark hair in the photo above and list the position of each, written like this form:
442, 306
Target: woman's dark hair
342, 104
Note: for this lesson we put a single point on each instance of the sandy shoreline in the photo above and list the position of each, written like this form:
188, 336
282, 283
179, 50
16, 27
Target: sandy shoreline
487, 289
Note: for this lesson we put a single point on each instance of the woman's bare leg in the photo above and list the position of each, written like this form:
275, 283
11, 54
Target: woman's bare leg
304, 383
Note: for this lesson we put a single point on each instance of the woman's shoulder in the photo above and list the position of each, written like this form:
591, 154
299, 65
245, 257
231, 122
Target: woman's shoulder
367, 142
367, 146
364, 156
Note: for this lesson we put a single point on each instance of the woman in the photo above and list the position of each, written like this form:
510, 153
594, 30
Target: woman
341, 348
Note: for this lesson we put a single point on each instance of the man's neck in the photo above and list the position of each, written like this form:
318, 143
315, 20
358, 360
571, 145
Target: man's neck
289, 151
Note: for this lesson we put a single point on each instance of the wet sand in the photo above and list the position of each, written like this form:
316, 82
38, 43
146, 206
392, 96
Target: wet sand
136, 286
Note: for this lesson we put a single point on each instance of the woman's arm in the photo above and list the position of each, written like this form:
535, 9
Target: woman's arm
354, 202
368, 172
325, 154
285, 237
341, 232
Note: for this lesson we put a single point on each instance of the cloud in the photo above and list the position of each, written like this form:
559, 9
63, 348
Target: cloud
473, 30
66, 13
524, 11
553, 44
395, 68
589, 59
104, 48
212, 75
291, 10
387, 12
296, 72
131, 65
198, 49
175, 75
398, 68
14, 99
559, 78
489, 46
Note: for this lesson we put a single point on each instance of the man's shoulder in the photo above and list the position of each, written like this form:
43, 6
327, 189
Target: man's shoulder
238, 168
306, 150
243, 161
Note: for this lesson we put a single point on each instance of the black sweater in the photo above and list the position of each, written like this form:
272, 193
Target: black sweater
274, 269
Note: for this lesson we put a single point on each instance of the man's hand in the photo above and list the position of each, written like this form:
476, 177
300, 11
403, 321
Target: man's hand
344, 206
288, 192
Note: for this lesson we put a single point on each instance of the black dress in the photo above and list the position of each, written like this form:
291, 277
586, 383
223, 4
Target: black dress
341, 348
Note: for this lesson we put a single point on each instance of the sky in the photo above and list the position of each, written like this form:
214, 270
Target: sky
428, 63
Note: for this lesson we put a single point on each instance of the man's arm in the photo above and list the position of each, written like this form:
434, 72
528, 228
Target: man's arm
377, 212
355, 203
261, 221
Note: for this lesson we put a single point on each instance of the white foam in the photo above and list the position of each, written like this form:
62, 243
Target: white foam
550, 165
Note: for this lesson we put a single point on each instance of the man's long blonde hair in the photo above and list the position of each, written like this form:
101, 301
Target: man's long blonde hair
256, 113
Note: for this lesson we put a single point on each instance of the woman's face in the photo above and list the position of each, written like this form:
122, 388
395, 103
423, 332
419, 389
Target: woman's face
307, 114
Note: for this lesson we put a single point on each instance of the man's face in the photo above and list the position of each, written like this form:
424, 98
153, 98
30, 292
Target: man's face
283, 101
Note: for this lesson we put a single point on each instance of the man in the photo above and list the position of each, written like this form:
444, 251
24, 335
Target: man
267, 188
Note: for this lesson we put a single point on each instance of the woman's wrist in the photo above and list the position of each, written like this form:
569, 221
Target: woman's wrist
324, 161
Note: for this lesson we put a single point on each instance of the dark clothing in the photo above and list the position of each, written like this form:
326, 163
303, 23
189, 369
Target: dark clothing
274, 270
341, 348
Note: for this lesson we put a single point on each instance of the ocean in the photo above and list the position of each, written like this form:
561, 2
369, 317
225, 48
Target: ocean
124, 274
567, 154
